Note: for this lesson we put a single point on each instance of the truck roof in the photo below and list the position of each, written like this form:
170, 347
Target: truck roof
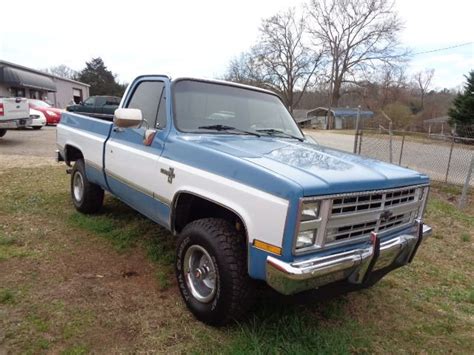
212, 81
225, 82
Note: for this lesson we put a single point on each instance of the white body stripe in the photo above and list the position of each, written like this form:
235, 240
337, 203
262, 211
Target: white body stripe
89, 143
132, 164
264, 214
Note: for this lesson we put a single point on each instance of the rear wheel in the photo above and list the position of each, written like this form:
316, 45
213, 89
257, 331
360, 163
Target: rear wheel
3, 132
86, 196
211, 269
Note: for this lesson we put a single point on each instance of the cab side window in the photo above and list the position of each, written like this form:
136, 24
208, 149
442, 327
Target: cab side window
99, 101
90, 101
146, 97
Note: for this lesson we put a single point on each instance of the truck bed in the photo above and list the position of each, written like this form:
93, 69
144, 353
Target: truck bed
88, 135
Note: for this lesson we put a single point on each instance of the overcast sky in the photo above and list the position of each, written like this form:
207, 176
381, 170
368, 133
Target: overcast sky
199, 38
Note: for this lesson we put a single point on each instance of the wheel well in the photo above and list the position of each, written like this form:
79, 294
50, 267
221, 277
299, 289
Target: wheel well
72, 154
189, 207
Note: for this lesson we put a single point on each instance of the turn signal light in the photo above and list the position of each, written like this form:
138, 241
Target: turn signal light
267, 247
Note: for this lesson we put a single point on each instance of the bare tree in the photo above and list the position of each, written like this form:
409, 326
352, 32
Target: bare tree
280, 60
422, 81
62, 71
356, 34
244, 70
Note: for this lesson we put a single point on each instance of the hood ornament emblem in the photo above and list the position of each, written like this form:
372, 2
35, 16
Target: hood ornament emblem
385, 215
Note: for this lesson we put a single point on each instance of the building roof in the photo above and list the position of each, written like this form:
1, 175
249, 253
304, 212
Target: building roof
4, 64
441, 119
300, 114
342, 112
22, 78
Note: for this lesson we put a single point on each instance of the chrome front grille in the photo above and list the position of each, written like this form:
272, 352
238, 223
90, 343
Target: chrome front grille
371, 201
356, 215
352, 217
364, 229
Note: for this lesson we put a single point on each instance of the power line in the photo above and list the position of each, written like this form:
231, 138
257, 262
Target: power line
445, 48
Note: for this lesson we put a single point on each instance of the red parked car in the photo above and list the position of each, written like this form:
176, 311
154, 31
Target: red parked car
52, 114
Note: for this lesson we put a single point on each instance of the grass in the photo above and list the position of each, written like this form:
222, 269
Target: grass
7, 296
74, 284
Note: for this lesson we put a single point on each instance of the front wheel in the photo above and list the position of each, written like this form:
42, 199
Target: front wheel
211, 269
86, 196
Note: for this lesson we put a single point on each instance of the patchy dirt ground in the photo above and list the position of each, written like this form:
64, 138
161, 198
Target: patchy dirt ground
76, 284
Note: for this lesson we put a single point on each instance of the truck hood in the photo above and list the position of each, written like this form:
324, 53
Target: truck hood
317, 169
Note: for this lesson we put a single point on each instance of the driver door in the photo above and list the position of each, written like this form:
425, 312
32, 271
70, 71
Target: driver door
130, 165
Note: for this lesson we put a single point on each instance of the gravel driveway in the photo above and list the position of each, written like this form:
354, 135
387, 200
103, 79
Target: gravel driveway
28, 148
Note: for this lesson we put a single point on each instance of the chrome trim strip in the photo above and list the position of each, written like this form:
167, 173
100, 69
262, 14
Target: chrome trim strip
138, 188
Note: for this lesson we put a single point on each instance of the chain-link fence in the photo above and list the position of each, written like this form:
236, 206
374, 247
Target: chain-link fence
444, 153
442, 160
443, 157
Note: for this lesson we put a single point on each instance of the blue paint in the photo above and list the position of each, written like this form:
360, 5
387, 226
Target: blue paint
282, 167
89, 125
96, 176
285, 167
202, 153
146, 205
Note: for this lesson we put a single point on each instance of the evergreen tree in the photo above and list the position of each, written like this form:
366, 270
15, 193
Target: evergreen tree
462, 111
101, 79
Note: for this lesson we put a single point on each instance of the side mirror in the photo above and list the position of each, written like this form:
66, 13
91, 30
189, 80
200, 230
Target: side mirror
128, 117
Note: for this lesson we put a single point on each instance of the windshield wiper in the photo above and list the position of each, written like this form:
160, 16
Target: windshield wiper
273, 131
220, 127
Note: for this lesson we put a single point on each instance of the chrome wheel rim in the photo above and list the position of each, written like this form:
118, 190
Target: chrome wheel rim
78, 186
200, 273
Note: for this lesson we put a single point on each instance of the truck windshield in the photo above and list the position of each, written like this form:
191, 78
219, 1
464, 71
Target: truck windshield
201, 106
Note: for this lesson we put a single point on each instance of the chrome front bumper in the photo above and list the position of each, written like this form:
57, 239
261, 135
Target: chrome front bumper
354, 265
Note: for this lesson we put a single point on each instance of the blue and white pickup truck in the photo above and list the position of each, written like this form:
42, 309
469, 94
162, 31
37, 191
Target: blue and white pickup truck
225, 168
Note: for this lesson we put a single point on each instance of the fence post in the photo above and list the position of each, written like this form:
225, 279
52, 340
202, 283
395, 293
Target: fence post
391, 138
360, 140
449, 159
357, 130
463, 200
401, 149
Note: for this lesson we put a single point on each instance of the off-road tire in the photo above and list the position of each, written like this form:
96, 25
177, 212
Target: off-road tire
2, 132
92, 197
227, 249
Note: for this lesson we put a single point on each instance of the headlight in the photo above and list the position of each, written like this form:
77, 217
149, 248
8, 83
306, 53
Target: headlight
309, 214
51, 113
309, 211
305, 239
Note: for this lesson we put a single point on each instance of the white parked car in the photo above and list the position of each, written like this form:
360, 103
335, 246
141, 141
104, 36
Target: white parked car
38, 119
